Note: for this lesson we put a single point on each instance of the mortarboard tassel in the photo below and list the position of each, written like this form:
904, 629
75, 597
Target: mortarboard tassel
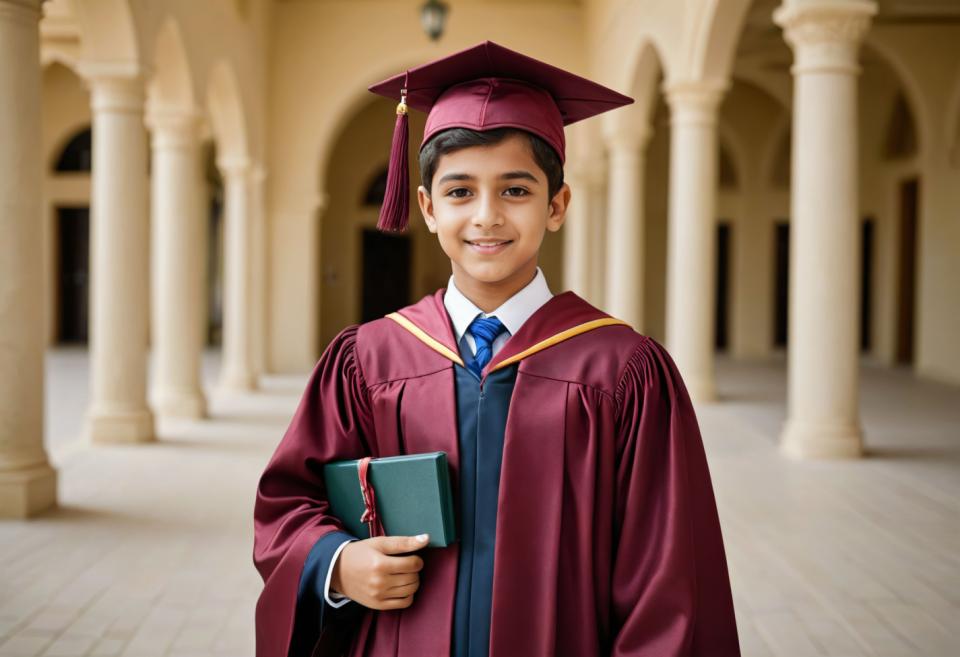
396, 200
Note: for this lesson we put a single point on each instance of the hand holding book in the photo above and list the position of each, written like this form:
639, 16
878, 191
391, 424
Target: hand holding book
379, 572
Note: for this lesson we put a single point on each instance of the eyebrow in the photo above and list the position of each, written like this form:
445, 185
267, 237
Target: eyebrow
520, 174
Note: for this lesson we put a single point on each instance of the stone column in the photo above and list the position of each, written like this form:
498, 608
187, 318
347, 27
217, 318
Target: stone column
691, 232
28, 484
598, 237
823, 358
179, 258
259, 284
119, 261
625, 225
237, 369
576, 228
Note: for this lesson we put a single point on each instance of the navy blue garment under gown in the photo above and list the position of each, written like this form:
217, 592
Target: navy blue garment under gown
481, 422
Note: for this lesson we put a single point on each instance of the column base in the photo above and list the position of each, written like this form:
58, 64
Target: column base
238, 382
180, 403
25, 493
811, 440
120, 427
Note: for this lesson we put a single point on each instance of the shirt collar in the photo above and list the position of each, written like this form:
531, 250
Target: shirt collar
512, 313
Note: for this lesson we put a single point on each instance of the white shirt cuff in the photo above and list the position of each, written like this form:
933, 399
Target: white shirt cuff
333, 598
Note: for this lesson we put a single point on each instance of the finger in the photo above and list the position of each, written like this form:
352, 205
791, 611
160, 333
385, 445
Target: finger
400, 581
396, 603
404, 565
401, 544
401, 591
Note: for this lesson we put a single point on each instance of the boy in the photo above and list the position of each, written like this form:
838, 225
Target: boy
587, 521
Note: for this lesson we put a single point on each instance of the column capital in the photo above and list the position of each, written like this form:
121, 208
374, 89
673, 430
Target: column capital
114, 88
825, 34
694, 101
173, 128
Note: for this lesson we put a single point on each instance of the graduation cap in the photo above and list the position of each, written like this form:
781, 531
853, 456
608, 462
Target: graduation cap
483, 88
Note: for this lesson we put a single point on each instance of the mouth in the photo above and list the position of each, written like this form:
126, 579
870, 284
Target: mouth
488, 247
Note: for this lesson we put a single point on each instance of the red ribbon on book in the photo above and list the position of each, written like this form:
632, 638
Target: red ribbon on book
369, 516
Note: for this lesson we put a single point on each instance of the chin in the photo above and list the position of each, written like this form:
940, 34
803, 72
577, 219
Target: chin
488, 273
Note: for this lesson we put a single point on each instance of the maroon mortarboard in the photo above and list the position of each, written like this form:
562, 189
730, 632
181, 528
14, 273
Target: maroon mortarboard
482, 88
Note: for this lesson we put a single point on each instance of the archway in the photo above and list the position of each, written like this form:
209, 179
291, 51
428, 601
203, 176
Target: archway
67, 140
355, 259
73, 247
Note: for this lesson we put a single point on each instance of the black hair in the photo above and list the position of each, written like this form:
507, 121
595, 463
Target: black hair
454, 139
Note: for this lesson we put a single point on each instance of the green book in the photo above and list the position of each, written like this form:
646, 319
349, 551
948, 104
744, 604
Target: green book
413, 495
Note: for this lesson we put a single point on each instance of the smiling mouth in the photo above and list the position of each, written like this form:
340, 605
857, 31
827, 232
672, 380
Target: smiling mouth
488, 247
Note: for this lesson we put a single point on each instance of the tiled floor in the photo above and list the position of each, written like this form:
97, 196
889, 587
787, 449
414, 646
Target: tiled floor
150, 551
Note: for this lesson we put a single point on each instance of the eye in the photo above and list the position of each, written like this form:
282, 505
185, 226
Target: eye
518, 191
455, 192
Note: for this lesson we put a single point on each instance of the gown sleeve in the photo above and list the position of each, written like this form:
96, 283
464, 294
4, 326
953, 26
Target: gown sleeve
291, 513
671, 588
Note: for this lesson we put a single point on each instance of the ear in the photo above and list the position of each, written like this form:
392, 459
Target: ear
558, 208
426, 208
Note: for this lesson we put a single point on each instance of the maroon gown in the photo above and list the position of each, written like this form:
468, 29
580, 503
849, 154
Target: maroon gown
607, 535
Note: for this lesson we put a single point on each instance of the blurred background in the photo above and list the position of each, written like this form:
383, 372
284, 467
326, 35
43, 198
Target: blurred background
188, 202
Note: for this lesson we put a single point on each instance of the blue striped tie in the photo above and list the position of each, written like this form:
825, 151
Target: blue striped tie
484, 331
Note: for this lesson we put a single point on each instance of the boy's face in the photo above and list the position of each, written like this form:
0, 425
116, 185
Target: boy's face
489, 206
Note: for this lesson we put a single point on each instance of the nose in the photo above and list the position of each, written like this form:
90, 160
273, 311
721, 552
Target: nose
488, 211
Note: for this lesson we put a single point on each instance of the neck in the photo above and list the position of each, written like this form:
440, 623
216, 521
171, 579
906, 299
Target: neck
490, 296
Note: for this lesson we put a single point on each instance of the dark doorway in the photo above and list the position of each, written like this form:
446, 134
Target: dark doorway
781, 283
73, 276
214, 336
866, 283
721, 335
906, 280
386, 273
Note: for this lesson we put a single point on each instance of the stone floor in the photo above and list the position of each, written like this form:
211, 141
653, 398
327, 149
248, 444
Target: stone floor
150, 550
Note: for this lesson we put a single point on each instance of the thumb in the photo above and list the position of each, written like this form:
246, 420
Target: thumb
401, 544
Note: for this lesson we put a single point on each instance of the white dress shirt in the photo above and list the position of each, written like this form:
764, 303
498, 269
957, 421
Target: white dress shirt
512, 313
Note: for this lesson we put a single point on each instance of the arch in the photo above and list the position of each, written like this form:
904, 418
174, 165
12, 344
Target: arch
227, 119
952, 128
900, 139
171, 86
346, 104
715, 29
74, 154
375, 189
646, 57
775, 149
912, 94
646, 72
731, 157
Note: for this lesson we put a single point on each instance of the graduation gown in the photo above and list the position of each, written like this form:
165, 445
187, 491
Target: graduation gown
607, 538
